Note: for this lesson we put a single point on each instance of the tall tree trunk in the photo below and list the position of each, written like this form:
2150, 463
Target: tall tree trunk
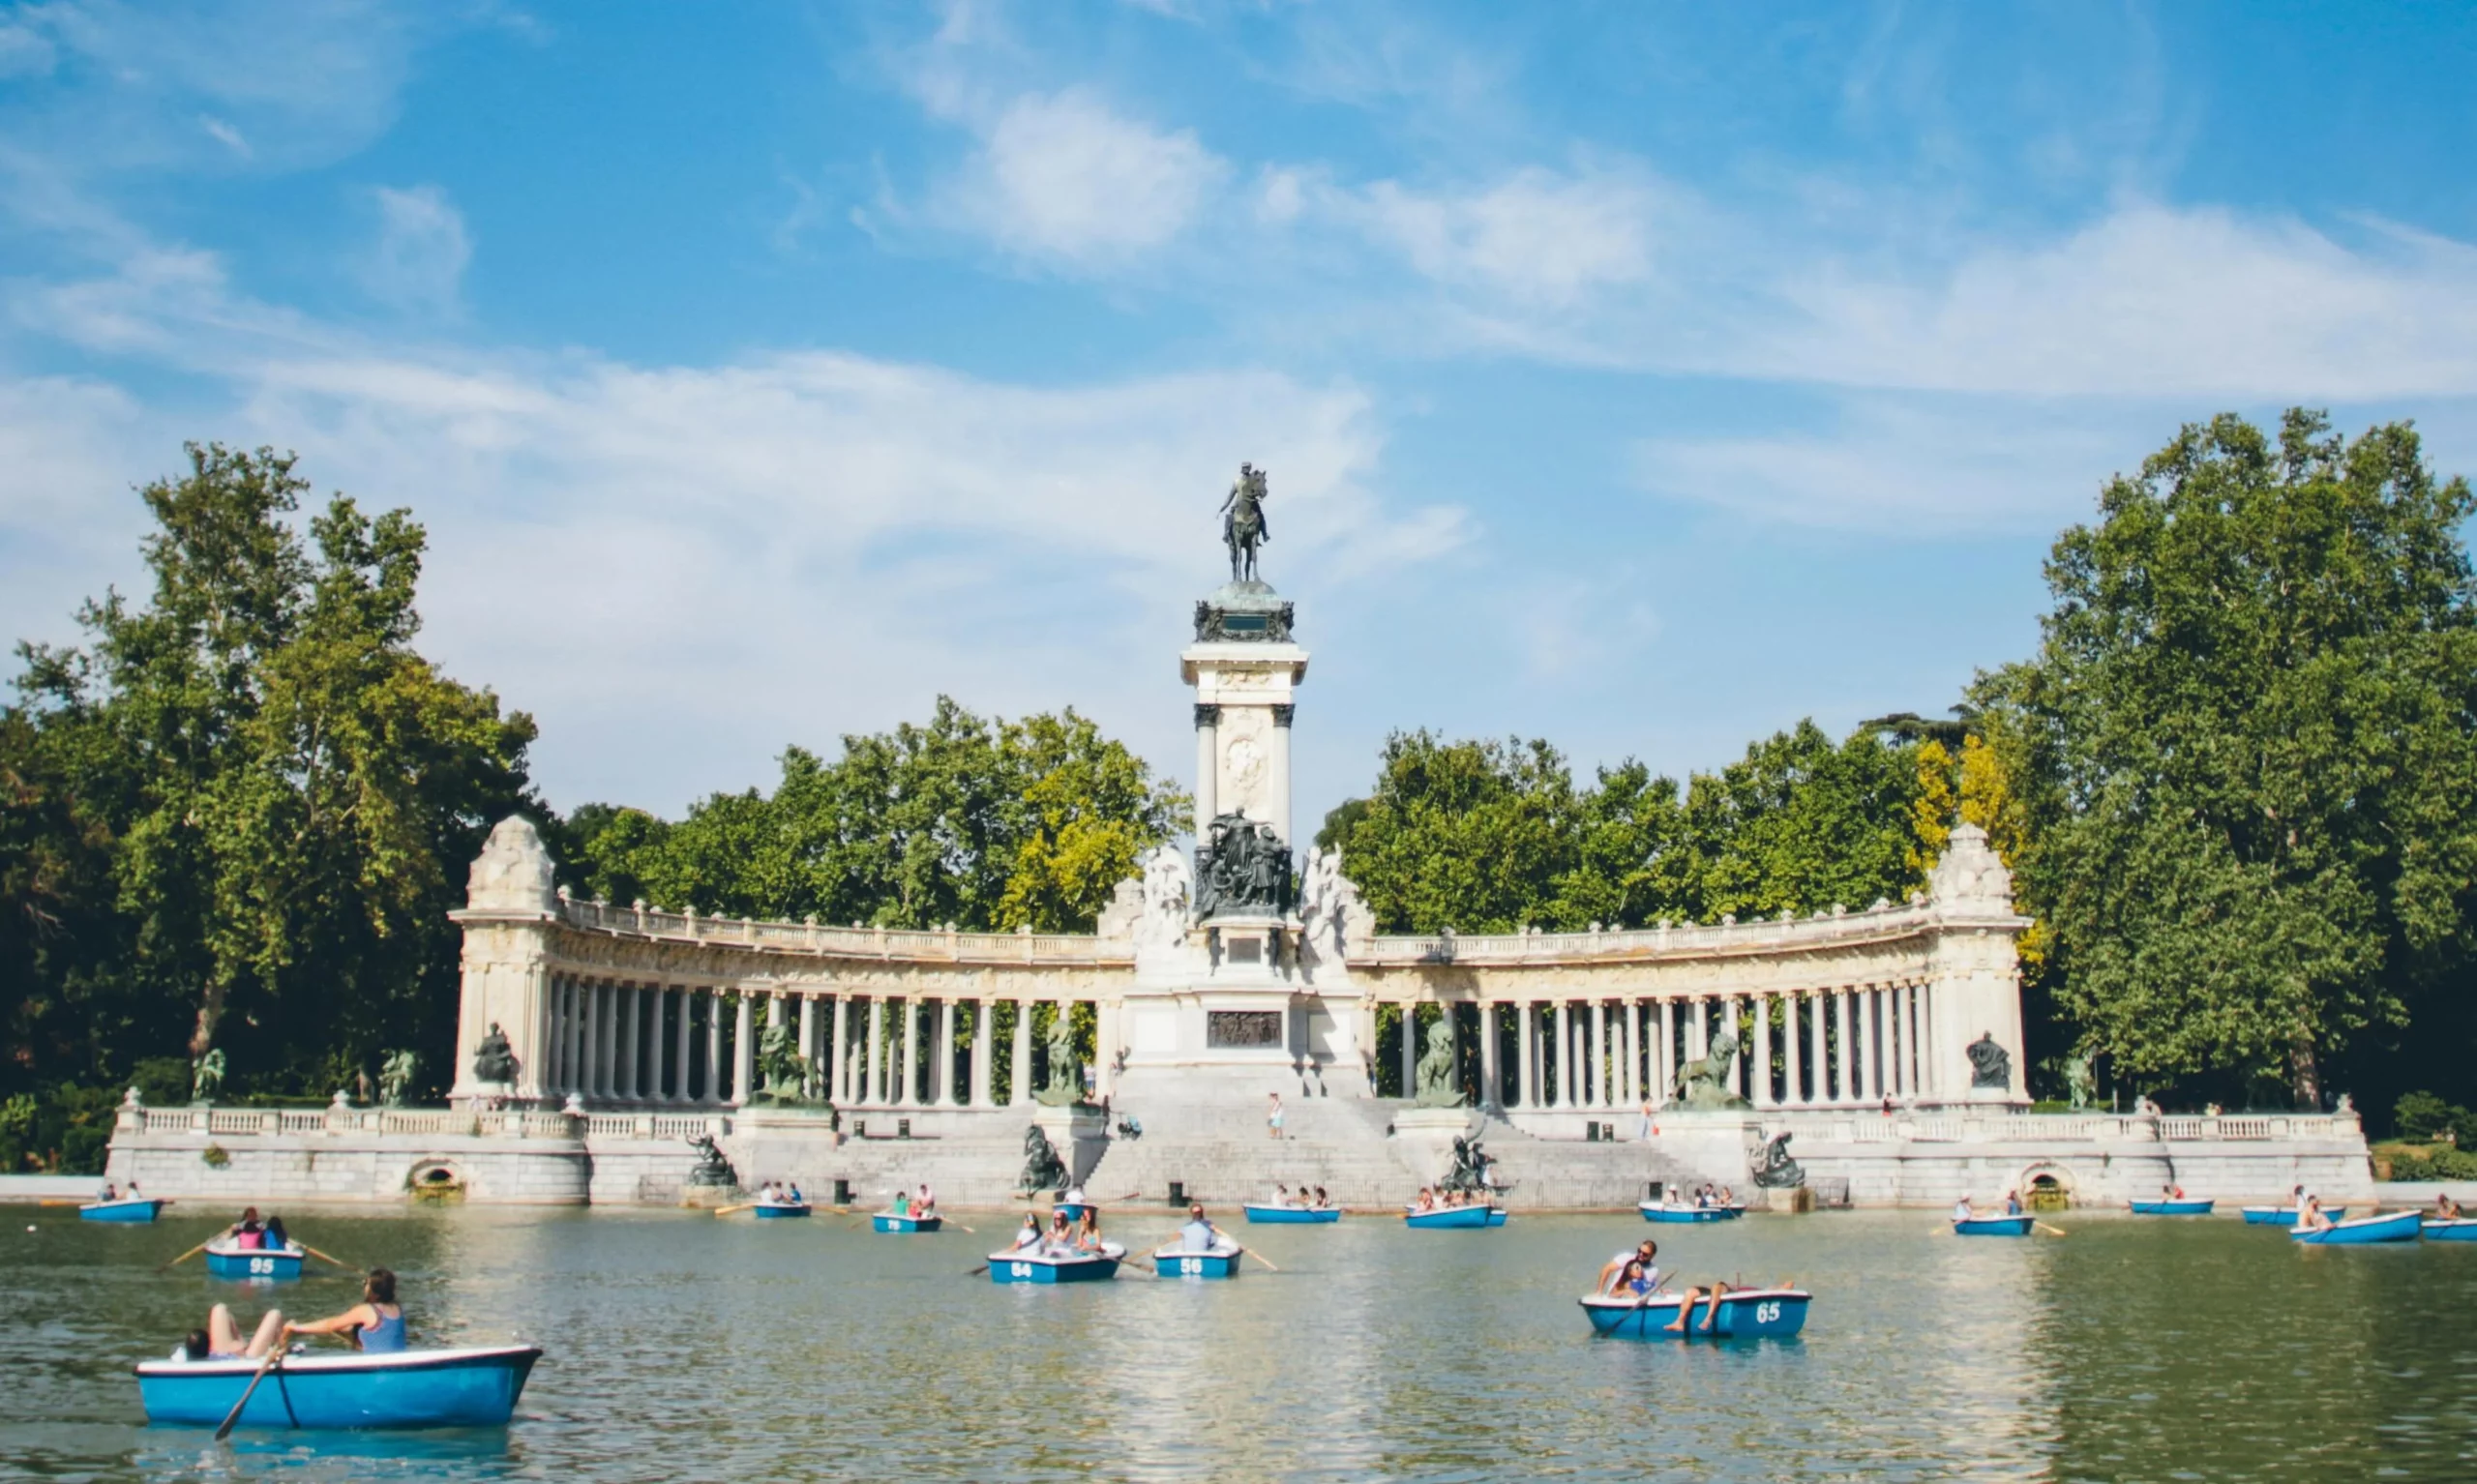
210, 1009
2304, 1076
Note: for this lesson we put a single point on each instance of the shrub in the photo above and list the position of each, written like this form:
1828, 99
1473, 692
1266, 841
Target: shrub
2422, 1115
164, 1082
214, 1157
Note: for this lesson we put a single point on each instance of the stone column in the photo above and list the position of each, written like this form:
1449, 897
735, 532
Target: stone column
629, 1014
1410, 1058
597, 1021
1893, 1041
743, 1047
1207, 767
655, 996
1277, 771
1664, 1055
1762, 1066
572, 1039
1022, 1072
809, 1085
1595, 1086
1566, 1058
1491, 1052
943, 1087
686, 1007
877, 1053
1737, 1078
983, 1019
1633, 1089
1526, 1067
1793, 1092
1845, 1067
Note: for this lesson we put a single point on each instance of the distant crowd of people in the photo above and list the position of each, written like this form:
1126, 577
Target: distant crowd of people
914, 1204
1306, 1197
1434, 1197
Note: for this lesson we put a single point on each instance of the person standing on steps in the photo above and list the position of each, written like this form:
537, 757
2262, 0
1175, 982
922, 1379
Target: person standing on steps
1272, 1115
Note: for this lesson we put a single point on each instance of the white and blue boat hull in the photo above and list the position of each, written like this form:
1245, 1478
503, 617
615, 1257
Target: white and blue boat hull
2364, 1231
1198, 1265
1454, 1218
2286, 1215
781, 1210
1755, 1314
474, 1387
1040, 1268
2171, 1208
905, 1225
1292, 1215
271, 1265
1688, 1214
120, 1210
2440, 1229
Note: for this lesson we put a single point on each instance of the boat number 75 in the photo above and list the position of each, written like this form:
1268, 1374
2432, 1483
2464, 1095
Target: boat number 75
1765, 1313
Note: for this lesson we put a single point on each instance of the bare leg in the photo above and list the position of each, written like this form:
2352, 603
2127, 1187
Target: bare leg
270, 1330
1711, 1311
222, 1336
1685, 1311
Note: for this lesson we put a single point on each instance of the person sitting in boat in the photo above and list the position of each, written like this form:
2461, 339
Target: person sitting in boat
1711, 1311
1963, 1210
1075, 1194
1725, 1198
2172, 1193
1060, 1239
220, 1339
375, 1325
2445, 1207
2312, 1217
1281, 1194
1030, 1235
109, 1194
1641, 1257
926, 1202
1634, 1281
277, 1238
2011, 1202
1199, 1234
1088, 1231
796, 1198
1322, 1199
248, 1234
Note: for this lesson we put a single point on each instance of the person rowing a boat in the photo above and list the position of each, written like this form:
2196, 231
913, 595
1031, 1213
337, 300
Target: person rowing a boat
1199, 1234
220, 1339
248, 1234
1030, 1235
2445, 1207
109, 1193
375, 1325
1322, 1199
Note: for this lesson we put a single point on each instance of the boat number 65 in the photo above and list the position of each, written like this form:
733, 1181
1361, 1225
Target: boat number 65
1021, 1270
262, 1264
1766, 1313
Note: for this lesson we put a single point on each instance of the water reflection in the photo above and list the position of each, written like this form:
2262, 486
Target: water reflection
685, 1346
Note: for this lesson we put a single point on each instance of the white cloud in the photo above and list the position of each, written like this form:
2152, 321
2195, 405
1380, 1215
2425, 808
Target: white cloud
225, 134
1062, 177
419, 259
23, 53
1537, 237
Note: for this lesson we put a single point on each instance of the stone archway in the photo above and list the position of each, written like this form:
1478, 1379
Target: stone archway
435, 1179
2045, 1186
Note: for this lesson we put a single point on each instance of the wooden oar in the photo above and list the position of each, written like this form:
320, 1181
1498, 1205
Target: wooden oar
959, 1227
745, 1205
1260, 1257
275, 1354
977, 1271
2043, 1226
322, 1257
185, 1257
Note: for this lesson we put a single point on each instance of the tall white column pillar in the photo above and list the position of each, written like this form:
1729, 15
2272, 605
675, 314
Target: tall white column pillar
942, 1085
655, 996
1793, 1090
577, 1026
1526, 1064
877, 1053
596, 1021
1410, 1047
1022, 1080
812, 1084
685, 1006
981, 1046
1596, 1089
1844, 1082
1762, 1067
1633, 1089
631, 1011
1566, 1096
1491, 1051
744, 1047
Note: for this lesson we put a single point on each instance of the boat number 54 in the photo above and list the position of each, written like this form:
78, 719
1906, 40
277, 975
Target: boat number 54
1020, 1269
1765, 1313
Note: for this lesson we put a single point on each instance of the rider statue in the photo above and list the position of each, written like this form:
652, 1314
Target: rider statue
1243, 522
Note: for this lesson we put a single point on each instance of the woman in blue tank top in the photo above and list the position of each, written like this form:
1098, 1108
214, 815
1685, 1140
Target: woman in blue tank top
375, 1325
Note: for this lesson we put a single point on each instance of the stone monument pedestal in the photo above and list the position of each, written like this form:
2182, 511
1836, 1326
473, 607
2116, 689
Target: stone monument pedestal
1427, 1135
1079, 1134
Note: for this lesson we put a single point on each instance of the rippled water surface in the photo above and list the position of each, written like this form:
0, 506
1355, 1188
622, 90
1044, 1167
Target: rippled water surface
683, 1347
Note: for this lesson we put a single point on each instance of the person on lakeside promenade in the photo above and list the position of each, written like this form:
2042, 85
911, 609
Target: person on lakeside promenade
1272, 1115
220, 1339
1644, 1253
1643, 1130
1199, 1234
375, 1325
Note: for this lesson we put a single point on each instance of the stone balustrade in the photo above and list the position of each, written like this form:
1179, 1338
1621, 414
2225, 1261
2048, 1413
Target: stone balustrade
906, 945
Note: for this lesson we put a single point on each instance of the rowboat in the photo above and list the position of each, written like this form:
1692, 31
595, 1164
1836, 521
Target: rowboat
1075, 1210
2171, 1208
1292, 1215
1033, 1265
129, 1208
2456, 1229
1992, 1226
776, 1210
2286, 1215
909, 1225
2399, 1226
229, 1259
1179, 1262
1654, 1211
1445, 1218
473, 1387
1750, 1314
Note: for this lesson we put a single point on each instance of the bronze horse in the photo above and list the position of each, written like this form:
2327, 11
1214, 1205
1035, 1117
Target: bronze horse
1242, 524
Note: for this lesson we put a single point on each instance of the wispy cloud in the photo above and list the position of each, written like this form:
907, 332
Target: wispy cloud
1064, 177
419, 258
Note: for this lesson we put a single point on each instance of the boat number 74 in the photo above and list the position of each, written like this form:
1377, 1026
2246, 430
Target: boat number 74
1765, 1313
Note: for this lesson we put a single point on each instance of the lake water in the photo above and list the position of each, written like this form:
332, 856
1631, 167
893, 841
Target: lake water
682, 1347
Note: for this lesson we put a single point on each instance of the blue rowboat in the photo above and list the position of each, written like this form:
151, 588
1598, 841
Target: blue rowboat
1178, 1262
131, 1209
1993, 1225
1448, 1218
2401, 1227
2286, 1215
1073, 1210
775, 1210
1753, 1314
908, 1225
1037, 1266
227, 1259
2440, 1229
1292, 1215
475, 1387
1653, 1210
2171, 1208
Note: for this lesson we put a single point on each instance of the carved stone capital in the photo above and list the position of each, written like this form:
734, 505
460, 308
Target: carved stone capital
1208, 714
1282, 715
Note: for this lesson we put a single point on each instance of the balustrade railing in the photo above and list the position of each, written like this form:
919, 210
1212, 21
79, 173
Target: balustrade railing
900, 944
1643, 942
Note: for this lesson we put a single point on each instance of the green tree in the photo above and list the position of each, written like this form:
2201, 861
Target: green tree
2243, 757
289, 790
1798, 824
1466, 835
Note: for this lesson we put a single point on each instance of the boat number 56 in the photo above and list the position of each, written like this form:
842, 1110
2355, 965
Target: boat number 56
1766, 1313
1192, 1267
262, 1264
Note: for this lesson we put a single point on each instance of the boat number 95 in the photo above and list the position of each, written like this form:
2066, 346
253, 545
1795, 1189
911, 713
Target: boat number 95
262, 1264
1021, 1270
1766, 1313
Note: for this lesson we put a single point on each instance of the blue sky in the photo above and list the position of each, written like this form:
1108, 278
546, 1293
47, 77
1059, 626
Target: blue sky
1645, 377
